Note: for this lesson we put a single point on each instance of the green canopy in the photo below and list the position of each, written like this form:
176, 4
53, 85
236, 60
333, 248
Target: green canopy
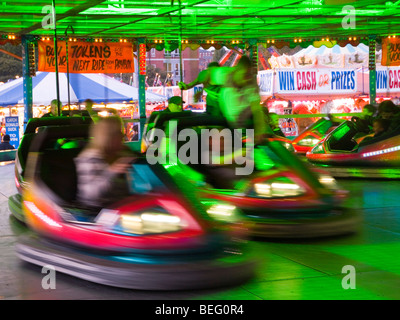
226, 21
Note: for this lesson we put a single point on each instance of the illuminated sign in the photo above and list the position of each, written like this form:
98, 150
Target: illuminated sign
388, 79
84, 57
390, 52
142, 58
316, 81
12, 129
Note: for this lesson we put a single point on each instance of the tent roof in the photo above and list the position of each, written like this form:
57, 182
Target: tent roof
348, 49
202, 19
98, 87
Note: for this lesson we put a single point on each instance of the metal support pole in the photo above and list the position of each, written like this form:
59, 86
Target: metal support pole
142, 90
56, 55
180, 46
27, 82
372, 69
66, 52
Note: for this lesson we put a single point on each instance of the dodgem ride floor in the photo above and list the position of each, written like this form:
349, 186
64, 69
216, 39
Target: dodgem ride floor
296, 269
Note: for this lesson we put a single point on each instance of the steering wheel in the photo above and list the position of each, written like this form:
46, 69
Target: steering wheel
360, 124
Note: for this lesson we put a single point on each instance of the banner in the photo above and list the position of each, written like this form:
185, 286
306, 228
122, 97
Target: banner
388, 79
12, 129
391, 52
316, 81
289, 127
356, 60
87, 57
265, 82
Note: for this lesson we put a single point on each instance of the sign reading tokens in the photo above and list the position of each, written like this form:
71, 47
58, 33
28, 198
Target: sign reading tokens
87, 57
391, 52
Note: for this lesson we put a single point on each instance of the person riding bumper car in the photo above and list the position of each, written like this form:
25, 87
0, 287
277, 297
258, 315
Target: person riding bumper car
313, 134
158, 238
281, 198
351, 152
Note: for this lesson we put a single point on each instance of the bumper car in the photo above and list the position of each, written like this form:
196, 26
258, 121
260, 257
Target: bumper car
313, 134
349, 152
7, 156
31, 130
159, 238
287, 143
159, 120
33, 126
281, 198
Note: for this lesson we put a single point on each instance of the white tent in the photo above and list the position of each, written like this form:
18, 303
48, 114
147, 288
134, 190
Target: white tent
323, 57
97, 87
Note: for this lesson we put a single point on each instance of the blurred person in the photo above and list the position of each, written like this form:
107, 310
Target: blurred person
5, 144
175, 104
368, 111
387, 110
89, 107
212, 90
239, 98
135, 133
132, 132
367, 115
55, 108
225, 161
102, 165
380, 126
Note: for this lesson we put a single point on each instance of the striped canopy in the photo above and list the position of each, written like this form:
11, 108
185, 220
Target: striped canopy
98, 87
336, 49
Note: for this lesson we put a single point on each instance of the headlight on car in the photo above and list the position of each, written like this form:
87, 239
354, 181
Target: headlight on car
278, 189
319, 148
150, 222
328, 181
223, 212
308, 141
288, 146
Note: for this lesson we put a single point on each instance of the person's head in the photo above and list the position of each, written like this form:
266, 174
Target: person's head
107, 136
6, 138
55, 105
380, 125
368, 110
89, 103
387, 109
175, 104
243, 72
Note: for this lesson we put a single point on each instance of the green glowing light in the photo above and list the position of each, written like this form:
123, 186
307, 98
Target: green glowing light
222, 20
